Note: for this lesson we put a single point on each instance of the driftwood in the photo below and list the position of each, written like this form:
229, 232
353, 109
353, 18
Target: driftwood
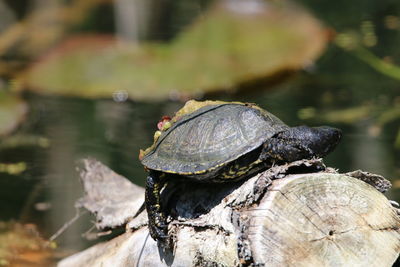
299, 214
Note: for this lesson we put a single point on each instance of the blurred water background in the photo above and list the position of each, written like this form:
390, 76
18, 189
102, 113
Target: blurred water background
91, 78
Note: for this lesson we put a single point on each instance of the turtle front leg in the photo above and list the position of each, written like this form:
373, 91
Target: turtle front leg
158, 226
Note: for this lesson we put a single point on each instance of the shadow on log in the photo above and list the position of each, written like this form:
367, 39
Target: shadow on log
298, 214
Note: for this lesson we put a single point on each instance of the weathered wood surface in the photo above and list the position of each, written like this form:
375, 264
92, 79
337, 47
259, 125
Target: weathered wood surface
311, 219
111, 197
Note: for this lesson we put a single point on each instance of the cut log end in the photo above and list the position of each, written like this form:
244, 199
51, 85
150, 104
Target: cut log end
310, 219
323, 220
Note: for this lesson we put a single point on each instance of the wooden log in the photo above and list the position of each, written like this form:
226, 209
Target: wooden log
312, 219
323, 220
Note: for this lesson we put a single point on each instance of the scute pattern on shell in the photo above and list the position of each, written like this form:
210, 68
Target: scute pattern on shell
210, 137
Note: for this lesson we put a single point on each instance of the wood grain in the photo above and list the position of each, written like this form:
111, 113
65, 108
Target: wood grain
320, 218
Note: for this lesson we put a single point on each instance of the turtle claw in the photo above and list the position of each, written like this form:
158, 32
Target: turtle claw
161, 231
157, 227
158, 233
161, 236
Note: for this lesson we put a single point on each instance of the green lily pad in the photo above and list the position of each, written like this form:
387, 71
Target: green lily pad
233, 43
12, 112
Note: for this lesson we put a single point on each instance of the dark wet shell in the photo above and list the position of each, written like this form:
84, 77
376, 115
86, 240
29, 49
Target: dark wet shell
210, 137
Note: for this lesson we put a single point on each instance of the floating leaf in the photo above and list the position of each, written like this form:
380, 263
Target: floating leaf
389, 115
13, 168
40, 29
18, 140
20, 245
12, 112
349, 115
233, 43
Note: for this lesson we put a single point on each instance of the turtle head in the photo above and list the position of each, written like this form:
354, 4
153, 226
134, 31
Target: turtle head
318, 141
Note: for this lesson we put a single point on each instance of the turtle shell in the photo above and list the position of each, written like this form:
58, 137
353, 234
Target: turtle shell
211, 137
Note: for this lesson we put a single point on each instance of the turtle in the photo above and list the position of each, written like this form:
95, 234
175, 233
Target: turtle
222, 142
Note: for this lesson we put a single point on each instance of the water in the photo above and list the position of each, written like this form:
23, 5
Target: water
113, 132
65, 130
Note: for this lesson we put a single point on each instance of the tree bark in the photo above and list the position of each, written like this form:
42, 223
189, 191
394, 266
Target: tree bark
276, 218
